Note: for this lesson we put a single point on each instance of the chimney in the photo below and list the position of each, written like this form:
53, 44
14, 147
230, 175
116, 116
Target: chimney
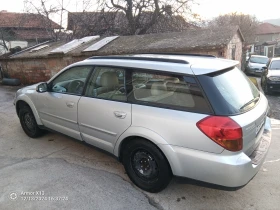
168, 10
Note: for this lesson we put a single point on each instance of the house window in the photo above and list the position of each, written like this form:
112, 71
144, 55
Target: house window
257, 39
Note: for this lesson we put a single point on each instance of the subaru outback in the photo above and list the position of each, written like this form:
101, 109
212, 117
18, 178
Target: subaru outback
161, 115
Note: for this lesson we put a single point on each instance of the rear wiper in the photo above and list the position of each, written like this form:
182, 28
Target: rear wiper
248, 103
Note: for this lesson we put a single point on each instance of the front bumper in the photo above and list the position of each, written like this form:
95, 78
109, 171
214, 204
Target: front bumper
226, 169
273, 86
254, 71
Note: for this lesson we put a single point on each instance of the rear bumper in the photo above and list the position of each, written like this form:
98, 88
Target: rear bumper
226, 169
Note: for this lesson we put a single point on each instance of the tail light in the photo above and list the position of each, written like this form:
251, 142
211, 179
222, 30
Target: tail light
222, 130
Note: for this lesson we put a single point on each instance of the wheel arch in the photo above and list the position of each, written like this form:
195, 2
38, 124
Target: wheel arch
25, 101
145, 134
128, 139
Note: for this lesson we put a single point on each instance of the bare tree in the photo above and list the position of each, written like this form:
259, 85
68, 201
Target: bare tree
141, 15
7, 29
4, 36
46, 10
247, 23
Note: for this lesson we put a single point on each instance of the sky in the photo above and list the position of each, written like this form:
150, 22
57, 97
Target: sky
262, 9
207, 9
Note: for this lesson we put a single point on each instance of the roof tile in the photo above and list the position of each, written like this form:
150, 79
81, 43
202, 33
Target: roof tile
25, 20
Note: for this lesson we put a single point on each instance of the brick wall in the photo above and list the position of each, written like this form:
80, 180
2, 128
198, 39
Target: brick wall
31, 71
34, 70
235, 43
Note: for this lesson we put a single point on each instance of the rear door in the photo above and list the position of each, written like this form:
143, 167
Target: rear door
170, 105
103, 113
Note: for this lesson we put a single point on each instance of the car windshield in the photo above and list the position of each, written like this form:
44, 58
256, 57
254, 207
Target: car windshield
230, 92
275, 65
261, 60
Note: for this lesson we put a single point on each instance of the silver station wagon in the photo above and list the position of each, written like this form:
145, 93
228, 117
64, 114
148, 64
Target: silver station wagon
161, 115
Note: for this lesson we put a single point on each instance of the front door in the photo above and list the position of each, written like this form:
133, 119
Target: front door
270, 51
103, 113
58, 107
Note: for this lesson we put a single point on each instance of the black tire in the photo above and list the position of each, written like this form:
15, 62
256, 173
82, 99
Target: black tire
146, 165
11, 82
28, 123
246, 72
265, 89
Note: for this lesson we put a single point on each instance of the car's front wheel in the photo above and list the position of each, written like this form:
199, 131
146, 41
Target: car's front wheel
265, 89
28, 122
146, 165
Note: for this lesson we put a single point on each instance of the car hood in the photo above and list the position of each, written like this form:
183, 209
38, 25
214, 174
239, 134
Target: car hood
274, 73
30, 87
257, 65
27, 89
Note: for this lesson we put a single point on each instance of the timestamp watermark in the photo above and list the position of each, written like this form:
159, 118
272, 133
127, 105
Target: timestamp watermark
35, 196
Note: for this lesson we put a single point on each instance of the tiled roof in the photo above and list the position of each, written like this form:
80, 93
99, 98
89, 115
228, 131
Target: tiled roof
267, 28
25, 20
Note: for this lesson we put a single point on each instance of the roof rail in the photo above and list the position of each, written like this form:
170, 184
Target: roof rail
181, 54
169, 60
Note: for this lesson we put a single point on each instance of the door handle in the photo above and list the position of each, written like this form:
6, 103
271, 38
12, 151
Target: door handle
120, 115
70, 104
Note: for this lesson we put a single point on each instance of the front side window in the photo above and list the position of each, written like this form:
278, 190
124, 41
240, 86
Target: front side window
71, 81
107, 83
168, 91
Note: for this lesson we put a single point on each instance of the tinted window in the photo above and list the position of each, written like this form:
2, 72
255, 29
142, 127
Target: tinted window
71, 81
261, 60
275, 65
107, 83
168, 91
230, 92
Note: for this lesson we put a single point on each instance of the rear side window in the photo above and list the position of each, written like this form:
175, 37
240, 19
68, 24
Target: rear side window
230, 92
107, 83
168, 91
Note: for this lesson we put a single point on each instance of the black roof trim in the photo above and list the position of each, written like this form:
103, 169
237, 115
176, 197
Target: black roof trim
181, 54
168, 60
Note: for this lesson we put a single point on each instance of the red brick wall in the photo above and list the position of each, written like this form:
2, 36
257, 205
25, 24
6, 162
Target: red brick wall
31, 71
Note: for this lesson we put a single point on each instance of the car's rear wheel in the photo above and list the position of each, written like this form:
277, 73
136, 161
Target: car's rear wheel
146, 165
28, 122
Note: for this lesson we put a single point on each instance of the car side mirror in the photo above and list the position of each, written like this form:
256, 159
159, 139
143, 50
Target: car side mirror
42, 87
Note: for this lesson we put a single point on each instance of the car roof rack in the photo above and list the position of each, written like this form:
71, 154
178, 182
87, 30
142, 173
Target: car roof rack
182, 54
169, 60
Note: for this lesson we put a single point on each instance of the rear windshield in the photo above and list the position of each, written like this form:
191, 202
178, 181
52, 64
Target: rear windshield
275, 65
261, 60
230, 92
